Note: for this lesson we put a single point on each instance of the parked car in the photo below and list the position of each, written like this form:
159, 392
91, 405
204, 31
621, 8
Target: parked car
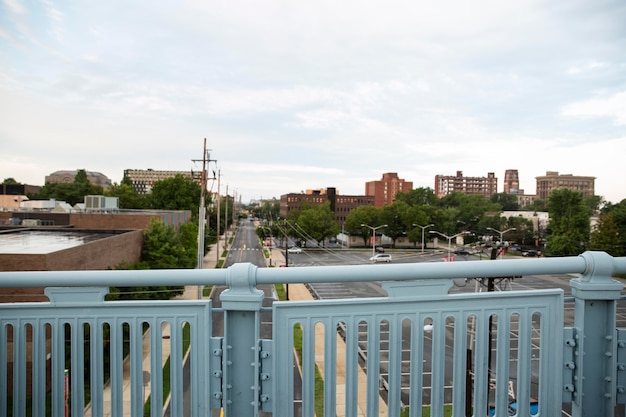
531, 253
380, 257
294, 249
380, 249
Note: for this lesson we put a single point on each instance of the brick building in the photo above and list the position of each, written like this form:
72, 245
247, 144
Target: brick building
511, 182
385, 189
341, 205
447, 184
119, 220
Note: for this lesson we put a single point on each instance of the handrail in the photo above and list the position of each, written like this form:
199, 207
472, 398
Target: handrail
396, 272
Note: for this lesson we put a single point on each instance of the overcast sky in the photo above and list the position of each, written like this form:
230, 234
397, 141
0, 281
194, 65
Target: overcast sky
296, 95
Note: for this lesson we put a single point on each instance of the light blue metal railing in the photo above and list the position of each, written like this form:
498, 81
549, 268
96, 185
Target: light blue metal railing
421, 344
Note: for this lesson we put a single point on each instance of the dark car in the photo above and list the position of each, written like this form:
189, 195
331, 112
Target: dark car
461, 252
531, 253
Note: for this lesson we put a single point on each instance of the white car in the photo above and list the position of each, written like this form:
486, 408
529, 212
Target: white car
294, 249
381, 257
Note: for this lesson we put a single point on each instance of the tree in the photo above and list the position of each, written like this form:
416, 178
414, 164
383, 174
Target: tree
397, 217
369, 215
176, 193
270, 210
163, 248
463, 211
508, 202
10, 181
128, 197
568, 231
617, 213
537, 205
606, 236
318, 222
418, 197
71, 193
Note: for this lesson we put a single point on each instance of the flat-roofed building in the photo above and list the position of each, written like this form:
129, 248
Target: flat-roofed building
341, 205
525, 200
447, 184
511, 182
385, 189
144, 179
554, 181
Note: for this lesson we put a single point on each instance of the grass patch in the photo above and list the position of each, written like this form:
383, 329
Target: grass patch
280, 292
206, 290
297, 344
166, 371
447, 411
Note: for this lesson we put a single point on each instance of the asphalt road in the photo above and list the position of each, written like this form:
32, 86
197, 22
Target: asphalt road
246, 248
357, 290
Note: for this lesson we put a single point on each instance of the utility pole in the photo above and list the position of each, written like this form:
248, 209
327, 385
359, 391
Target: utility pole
202, 211
226, 217
219, 175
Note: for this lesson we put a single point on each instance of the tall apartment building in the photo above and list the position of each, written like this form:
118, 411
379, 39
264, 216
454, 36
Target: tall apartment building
511, 182
385, 189
553, 181
144, 179
341, 205
95, 178
447, 184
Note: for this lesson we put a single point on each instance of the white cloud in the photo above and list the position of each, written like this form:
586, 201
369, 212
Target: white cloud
297, 95
613, 107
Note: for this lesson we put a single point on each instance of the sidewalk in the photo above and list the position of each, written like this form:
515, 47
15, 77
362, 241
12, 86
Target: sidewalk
189, 293
297, 292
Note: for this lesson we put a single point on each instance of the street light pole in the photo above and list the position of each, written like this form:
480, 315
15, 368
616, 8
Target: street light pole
373, 234
423, 229
501, 233
449, 239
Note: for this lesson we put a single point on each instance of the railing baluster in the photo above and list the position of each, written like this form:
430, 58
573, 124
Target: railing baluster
373, 370
419, 292
38, 368
460, 365
330, 336
136, 367
503, 354
308, 365
58, 368
97, 370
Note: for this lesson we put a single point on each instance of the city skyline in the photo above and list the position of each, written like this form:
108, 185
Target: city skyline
294, 96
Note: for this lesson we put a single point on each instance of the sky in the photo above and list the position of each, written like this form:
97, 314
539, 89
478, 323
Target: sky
298, 95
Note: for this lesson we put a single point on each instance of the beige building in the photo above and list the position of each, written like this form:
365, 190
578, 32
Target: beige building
553, 181
144, 179
447, 184
525, 200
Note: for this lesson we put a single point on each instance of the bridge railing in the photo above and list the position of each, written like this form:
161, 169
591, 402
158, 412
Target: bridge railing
457, 354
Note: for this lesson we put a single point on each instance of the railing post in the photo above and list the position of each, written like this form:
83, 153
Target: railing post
596, 294
242, 303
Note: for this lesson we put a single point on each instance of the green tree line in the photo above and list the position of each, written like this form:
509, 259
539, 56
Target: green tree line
419, 211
